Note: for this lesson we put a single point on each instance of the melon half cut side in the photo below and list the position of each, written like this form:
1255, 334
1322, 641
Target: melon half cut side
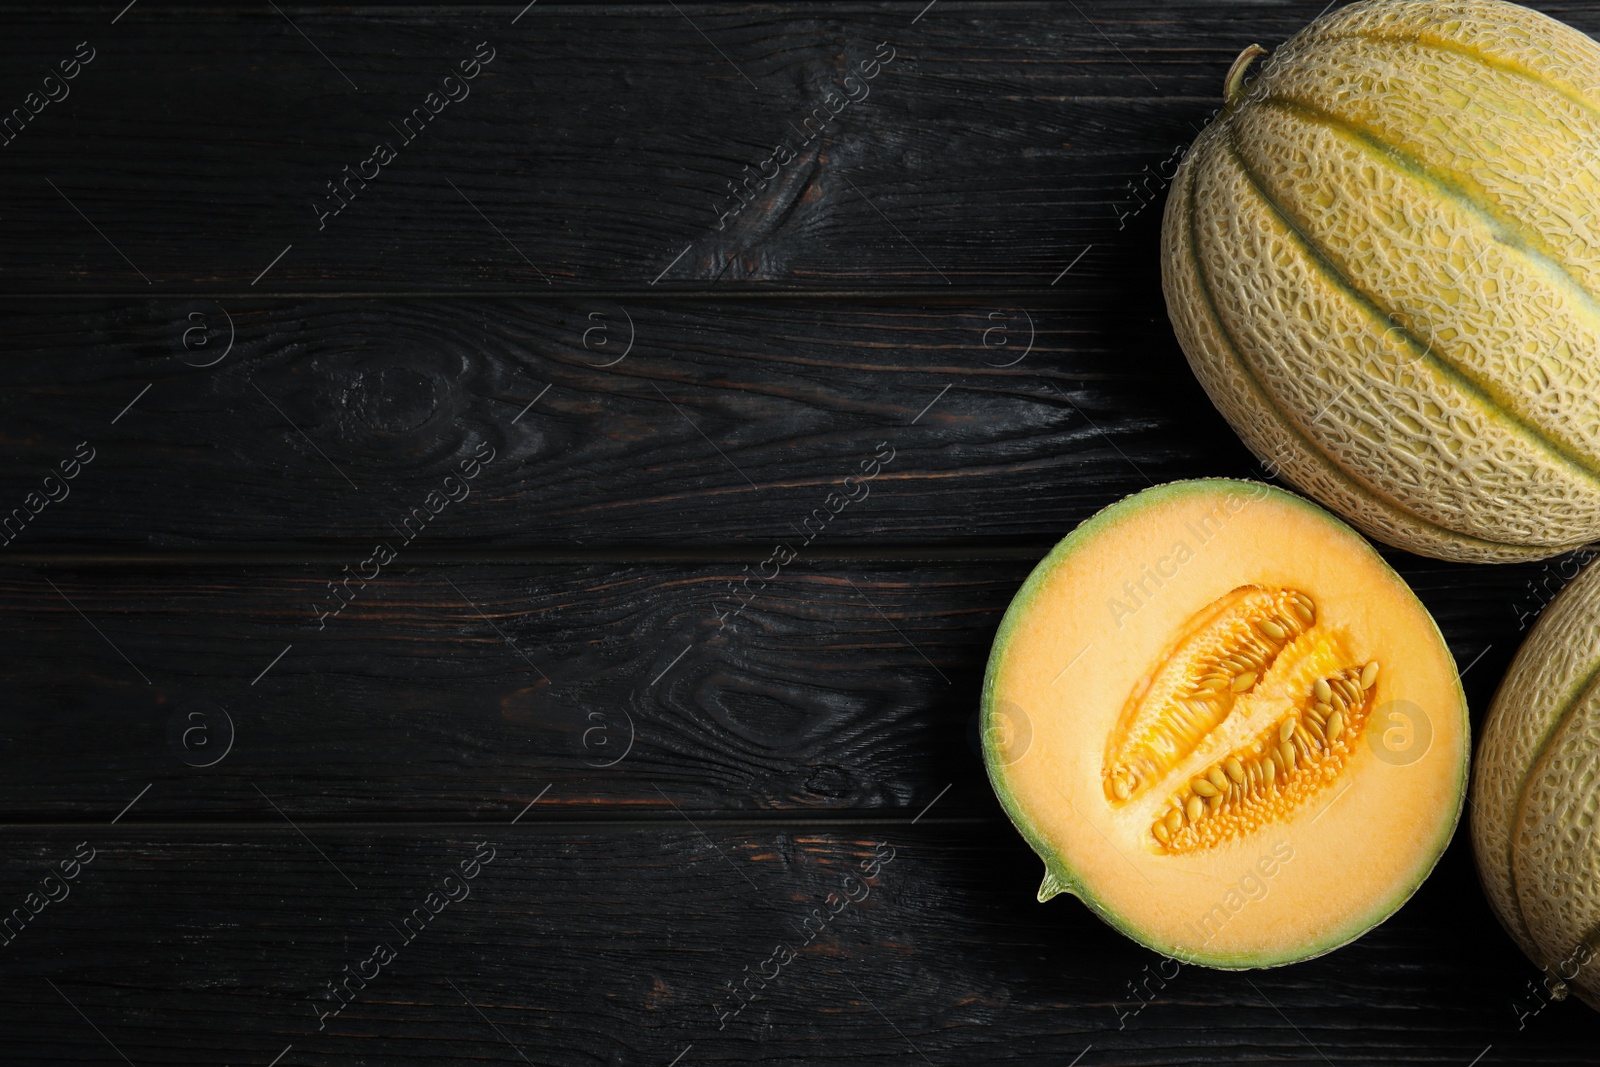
1226, 724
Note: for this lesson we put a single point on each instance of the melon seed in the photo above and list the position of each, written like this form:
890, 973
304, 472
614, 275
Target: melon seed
1369, 675
1258, 636
1223, 653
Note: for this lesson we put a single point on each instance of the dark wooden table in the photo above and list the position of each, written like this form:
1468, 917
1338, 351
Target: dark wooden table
410, 623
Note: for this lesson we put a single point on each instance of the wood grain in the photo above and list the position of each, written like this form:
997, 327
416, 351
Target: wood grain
191, 946
460, 692
1007, 170
596, 149
643, 422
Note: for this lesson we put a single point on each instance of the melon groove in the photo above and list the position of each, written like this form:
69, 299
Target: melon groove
1277, 441
1533, 837
1399, 318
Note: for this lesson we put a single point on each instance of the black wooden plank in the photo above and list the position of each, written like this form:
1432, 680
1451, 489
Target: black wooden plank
581, 947
459, 691
446, 692
611, 422
597, 147
1006, 142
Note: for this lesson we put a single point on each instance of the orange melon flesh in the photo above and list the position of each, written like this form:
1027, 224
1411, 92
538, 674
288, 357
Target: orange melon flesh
1139, 687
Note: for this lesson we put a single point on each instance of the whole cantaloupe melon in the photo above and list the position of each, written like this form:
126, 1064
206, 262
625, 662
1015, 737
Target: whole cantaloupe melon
1226, 724
1383, 263
1535, 797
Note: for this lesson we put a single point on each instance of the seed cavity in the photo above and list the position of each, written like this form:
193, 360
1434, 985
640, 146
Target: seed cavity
1258, 668
1217, 658
1284, 764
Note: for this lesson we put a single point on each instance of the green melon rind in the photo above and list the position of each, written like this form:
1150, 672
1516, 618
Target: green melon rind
1060, 876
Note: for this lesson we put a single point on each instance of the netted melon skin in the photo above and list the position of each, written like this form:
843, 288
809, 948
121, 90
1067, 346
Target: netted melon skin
1382, 262
1536, 790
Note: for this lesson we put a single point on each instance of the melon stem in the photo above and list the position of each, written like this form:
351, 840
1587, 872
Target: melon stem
1233, 86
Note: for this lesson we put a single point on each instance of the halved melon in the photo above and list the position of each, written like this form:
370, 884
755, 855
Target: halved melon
1226, 724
